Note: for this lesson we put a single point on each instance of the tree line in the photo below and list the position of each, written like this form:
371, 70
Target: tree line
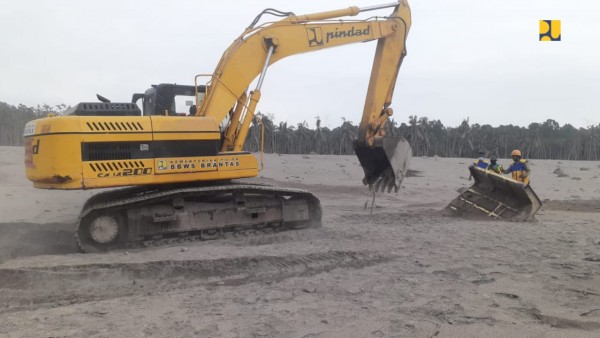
545, 140
14, 118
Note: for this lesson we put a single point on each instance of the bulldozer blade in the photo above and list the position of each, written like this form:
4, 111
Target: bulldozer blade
385, 164
496, 196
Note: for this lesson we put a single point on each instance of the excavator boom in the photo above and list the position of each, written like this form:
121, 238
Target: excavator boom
384, 159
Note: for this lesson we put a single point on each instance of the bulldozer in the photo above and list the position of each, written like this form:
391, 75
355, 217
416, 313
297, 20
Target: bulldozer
178, 169
497, 197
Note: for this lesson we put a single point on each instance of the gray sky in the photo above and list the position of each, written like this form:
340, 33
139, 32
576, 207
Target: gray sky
466, 58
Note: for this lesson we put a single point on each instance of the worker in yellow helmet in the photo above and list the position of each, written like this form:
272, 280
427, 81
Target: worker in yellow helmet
519, 168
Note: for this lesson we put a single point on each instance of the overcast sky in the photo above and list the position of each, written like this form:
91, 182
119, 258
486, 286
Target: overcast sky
466, 58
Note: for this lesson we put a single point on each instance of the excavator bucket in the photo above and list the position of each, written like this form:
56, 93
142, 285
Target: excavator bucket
385, 165
496, 196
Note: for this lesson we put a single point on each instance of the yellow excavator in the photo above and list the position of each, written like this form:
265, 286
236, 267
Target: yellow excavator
177, 165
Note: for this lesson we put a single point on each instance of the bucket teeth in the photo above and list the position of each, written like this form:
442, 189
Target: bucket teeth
387, 182
385, 165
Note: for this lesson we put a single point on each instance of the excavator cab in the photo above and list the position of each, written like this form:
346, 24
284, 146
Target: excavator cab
162, 99
169, 99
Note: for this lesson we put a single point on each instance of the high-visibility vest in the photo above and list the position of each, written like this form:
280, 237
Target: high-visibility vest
497, 168
518, 169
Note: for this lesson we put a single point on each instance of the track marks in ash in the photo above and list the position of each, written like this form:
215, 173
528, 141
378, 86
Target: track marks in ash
559, 322
30, 239
26, 287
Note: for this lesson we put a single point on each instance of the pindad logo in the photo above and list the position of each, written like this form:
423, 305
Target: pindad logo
315, 36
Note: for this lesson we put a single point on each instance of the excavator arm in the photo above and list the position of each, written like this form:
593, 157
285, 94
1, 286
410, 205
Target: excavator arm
228, 94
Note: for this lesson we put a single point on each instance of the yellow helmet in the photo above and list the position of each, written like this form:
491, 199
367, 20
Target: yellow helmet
516, 152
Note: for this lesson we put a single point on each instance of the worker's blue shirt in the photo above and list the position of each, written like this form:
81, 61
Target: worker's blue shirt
517, 166
481, 164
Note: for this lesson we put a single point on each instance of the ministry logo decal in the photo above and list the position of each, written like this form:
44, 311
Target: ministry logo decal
550, 30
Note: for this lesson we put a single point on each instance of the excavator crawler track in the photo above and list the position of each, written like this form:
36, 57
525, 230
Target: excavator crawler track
142, 216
